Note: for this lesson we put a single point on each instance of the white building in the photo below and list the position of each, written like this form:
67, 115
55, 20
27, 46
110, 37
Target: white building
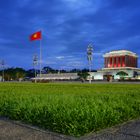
59, 76
118, 64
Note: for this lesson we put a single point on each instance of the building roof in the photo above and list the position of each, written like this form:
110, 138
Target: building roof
121, 68
120, 53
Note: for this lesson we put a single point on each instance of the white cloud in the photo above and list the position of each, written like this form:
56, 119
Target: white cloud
60, 57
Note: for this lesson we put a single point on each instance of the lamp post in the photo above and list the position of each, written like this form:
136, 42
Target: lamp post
2, 65
35, 63
90, 58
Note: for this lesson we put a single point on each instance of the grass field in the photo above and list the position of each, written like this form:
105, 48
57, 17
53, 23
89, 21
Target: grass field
72, 109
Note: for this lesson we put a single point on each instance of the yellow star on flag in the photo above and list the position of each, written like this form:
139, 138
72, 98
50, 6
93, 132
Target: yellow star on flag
35, 35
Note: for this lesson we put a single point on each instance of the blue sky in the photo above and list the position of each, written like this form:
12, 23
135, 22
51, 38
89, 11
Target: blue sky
68, 27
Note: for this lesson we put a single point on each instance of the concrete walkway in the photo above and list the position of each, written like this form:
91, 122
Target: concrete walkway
13, 130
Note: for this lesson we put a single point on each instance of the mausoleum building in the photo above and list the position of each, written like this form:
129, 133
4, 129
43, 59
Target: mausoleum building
118, 64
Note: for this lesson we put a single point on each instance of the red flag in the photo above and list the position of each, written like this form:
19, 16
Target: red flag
36, 36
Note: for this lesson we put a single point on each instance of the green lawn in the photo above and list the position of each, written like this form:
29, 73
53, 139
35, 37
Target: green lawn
72, 109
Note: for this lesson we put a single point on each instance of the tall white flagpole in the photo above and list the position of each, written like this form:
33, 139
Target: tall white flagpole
41, 55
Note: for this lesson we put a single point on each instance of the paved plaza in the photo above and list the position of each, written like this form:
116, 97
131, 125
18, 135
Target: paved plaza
14, 130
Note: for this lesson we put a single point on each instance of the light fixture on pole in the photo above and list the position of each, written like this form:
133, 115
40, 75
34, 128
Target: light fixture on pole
3, 66
90, 58
35, 63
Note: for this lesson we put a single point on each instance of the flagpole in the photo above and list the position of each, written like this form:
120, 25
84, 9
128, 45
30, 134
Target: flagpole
40, 56
38, 36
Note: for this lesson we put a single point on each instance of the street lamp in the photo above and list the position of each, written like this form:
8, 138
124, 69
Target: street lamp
90, 58
2, 65
35, 63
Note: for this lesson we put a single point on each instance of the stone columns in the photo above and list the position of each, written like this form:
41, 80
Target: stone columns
121, 61
125, 60
108, 62
112, 61
136, 62
117, 61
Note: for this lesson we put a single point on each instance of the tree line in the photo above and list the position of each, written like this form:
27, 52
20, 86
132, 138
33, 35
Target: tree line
20, 73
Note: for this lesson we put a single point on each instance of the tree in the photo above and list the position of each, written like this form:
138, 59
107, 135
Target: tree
14, 74
83, 75
19, 73
75, 70
49, 70
122, 74
31, 73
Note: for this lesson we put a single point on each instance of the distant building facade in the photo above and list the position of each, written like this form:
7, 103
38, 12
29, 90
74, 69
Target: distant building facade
58, 76
120, 59
118, 64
